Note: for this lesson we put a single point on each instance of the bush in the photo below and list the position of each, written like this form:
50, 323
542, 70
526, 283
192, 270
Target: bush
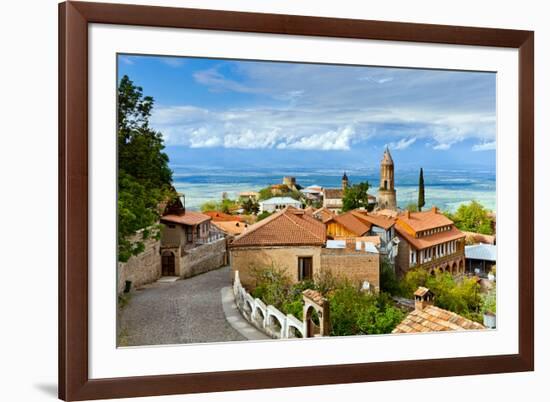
472, 217
462, 297
263, 215
353, 312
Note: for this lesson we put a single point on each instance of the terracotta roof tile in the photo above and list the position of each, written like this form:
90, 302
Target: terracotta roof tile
218, 216
314, 296
333, 193
233, 227
379, 220
352, 223
290, 226
480, 238
419, 221
323, 214
433, 318
428, 241
189, 218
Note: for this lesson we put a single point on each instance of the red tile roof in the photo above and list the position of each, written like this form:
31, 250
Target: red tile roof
428, 241
432, 318
289, 227
190, 218
218, 216
333, 193
231, 227
323, 213
352, 223
382, 221
479, 238
420, 221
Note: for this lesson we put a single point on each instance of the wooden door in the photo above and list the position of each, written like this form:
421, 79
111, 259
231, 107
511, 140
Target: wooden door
305, 268
168, 265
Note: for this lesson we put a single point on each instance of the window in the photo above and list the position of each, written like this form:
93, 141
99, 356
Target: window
305, 268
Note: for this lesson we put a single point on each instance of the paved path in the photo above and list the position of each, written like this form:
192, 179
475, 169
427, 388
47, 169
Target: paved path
235, 318
186, 311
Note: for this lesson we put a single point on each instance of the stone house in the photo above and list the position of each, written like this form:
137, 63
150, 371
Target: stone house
429, 240
332, 197
296, 243
190, 244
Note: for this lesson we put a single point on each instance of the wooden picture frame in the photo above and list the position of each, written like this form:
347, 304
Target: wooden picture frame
74, 381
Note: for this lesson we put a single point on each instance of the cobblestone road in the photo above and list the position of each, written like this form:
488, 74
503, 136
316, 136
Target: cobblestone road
185, 311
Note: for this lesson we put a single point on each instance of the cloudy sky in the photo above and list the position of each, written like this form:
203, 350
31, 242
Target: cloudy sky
277, 114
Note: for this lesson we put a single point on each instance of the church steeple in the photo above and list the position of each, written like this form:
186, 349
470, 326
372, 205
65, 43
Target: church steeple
345, 181
386, 193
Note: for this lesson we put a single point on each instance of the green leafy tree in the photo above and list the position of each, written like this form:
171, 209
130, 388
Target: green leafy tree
472, 217
353, 312
421, 201
144, 178
250, 207
263, 215
461, 296
356, 196
265, 194
388, 279
412, 207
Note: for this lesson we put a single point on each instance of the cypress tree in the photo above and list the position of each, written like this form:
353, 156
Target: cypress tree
421, 201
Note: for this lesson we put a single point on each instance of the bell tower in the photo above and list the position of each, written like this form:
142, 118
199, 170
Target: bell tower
386, 192
345, 182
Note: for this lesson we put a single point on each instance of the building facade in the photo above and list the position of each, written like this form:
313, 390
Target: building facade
431, 241
296, 243
333, 197
190, 244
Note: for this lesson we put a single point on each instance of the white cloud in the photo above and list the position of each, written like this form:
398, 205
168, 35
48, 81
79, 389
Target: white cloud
338, 140
126, 60
173, 61
217, 82
485, 146
442, 146
325, 108
403, 143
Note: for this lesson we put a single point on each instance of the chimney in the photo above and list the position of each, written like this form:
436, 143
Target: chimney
408, 214
435, 210
423, 297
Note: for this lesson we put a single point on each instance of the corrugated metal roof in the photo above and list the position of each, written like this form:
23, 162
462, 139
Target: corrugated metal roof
487, 252
280, 200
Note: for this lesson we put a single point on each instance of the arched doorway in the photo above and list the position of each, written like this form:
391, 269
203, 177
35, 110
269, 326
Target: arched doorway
313, 324
168, 264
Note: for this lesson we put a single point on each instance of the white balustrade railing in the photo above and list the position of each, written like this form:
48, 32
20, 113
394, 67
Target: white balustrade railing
267, 319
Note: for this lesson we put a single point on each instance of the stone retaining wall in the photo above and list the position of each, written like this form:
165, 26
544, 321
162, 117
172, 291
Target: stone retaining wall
204, 258
141, 269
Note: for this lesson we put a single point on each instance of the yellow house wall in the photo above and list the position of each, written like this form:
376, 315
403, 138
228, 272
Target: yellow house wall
245, 260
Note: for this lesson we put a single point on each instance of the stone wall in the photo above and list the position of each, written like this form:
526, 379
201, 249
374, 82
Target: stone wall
203, 258
355, 265
403, 256
141, 269
246, 259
